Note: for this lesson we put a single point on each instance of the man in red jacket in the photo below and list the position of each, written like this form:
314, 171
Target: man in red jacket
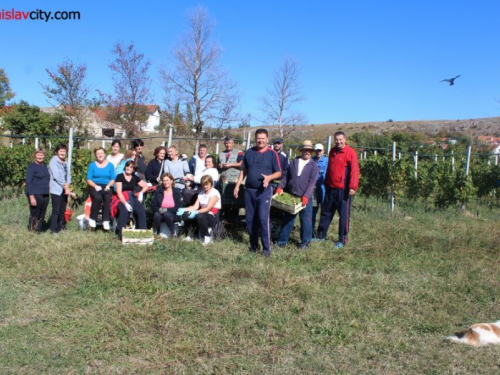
341, 183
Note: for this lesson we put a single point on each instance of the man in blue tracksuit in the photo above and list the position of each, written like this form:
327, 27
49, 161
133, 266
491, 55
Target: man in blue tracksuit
322, 162
260, 166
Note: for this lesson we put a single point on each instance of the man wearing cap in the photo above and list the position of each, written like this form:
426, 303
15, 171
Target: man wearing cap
230, 161
299, 180
260, 166
322, 162
341, 183
278, 147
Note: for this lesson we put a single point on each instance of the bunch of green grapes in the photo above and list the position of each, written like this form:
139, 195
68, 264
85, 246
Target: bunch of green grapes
288, 199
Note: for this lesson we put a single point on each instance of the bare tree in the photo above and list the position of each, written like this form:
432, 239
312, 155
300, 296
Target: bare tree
131, 83
277, 104
67, 89
5, 92
198, 79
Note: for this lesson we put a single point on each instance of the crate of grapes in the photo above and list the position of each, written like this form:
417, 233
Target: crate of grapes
137, 236
287, 202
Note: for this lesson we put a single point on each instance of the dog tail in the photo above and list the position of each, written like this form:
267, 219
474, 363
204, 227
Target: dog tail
469, 336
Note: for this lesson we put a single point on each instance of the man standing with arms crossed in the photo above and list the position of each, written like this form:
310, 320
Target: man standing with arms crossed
341, 183
230, 161
260, 166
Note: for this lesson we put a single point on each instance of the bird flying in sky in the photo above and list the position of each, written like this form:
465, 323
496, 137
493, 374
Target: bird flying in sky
451, 80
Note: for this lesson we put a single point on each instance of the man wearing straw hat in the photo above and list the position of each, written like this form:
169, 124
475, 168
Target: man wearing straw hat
341, 183
299, 180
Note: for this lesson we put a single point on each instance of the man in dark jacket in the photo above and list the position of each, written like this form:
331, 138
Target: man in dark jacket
341, 183
299, 179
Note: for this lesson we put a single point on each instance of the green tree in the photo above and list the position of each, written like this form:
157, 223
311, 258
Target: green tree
5, 91
25, 119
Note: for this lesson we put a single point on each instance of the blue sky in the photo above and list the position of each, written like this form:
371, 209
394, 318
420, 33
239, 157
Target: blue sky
360, 60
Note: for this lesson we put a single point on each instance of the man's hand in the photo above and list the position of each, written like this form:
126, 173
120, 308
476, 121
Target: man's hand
32, 200
266, 181
97, 188
279, 191
352, 192
236, 191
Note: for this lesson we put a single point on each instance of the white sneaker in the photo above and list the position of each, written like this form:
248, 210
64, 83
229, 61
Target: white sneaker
105, 225
207, 240
188, 239
92, 223
163, 235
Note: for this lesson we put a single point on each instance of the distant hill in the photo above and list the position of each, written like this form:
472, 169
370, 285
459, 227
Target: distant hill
431, 128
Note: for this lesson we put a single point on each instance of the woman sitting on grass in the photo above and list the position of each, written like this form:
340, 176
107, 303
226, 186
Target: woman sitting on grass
126, 184
165, 203
205, 210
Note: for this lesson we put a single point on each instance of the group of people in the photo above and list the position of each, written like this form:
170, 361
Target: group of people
186, 192
333, 180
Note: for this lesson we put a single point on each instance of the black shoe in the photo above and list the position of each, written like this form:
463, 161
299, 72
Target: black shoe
253, 249
303, 246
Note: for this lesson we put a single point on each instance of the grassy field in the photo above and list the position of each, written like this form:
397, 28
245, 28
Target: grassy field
83, 303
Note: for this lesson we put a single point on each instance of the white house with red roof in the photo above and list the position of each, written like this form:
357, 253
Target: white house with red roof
153, 121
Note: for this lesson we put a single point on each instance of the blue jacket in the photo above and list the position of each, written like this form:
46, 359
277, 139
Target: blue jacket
323, 166
154, 171
303, 185
37, 179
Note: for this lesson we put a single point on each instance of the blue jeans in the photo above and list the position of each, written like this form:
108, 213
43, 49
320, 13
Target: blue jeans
306, 227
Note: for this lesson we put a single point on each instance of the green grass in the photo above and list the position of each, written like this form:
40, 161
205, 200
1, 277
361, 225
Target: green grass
82, 302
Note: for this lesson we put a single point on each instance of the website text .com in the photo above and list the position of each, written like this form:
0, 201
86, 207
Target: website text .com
38, 15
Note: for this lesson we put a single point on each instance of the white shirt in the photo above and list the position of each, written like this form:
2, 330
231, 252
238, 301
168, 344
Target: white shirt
115, 160
204, 198
212, 172
200, 165
302, 163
